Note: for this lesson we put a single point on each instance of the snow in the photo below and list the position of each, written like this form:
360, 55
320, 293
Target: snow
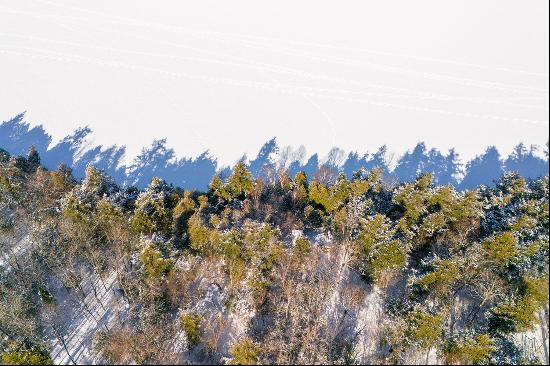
533, 342
369, 320
79, 326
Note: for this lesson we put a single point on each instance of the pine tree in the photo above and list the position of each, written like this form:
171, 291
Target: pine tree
33, 157
240, 183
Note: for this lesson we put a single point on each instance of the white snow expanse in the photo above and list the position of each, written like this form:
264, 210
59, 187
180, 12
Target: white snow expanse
228, 76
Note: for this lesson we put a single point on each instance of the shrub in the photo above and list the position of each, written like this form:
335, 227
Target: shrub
155, 266
470, 351
425, 330
302, 248
376, 251
244, 352
191, 325
444, 275
26, 355
198, 234
519, 315
502, 248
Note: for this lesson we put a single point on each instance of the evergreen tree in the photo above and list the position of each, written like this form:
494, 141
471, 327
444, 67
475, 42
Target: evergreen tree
240, 183
33, 157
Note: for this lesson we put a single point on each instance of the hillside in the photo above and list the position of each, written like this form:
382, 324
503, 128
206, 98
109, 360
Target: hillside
284, 269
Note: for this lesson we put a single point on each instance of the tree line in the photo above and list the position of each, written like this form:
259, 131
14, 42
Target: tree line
407, 272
